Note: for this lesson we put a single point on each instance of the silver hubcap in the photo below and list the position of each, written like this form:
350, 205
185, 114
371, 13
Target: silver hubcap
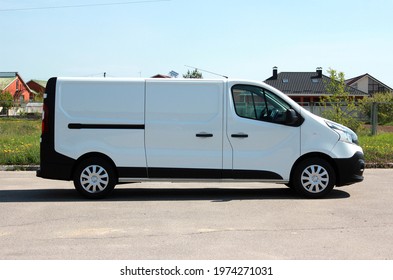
94, 179
315, 178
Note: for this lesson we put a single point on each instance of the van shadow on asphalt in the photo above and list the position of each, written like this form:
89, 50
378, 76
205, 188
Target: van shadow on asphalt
161, 194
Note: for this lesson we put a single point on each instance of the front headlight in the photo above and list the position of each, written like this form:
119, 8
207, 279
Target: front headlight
346, 134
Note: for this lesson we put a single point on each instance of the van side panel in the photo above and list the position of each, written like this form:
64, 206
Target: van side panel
101, 115
184, 128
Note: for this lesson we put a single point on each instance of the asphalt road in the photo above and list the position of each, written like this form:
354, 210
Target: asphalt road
44, 219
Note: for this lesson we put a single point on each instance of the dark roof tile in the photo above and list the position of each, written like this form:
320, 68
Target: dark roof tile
305, 83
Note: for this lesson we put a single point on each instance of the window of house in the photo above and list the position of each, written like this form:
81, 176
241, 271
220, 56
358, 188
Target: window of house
256, 103
374, 87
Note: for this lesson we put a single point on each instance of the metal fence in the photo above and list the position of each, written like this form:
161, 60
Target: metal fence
375, 116
22, 109
319, 108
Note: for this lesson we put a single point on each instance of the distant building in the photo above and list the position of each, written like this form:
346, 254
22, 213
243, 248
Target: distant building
306, 87
37, 86
161, 76
369, 84
14, 84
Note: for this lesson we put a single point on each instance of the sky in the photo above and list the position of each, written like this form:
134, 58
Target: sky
236, 38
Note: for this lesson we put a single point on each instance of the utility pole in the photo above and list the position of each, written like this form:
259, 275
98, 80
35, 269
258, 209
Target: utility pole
374, 118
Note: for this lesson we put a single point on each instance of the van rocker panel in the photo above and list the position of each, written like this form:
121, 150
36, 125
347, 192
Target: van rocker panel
63, 171
197, 173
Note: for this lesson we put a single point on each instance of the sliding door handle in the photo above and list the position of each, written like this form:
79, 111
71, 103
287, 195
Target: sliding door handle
204, 135
239, 135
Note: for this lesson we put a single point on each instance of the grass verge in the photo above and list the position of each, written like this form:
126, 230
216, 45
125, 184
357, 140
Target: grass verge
378, 149
19, 141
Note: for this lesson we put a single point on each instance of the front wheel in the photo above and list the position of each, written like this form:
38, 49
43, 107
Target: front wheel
314, 178
94, 178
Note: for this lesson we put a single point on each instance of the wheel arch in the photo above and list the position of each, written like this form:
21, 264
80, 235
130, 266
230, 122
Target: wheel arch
317, 155
93, 155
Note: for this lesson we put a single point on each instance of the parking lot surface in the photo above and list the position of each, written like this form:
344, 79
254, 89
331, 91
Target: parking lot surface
44, 219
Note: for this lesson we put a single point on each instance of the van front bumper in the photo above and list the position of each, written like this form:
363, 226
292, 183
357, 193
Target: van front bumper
350, 170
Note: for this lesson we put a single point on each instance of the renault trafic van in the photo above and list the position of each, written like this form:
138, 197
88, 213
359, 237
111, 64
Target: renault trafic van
99, 132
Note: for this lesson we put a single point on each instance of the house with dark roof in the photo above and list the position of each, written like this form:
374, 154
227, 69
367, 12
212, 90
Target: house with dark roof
14, 84
306, 87
368, 83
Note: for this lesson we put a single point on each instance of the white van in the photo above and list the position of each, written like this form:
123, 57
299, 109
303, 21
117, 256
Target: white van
100, 132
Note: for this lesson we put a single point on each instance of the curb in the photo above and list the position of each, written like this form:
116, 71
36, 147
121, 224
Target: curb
379, 165
19, 167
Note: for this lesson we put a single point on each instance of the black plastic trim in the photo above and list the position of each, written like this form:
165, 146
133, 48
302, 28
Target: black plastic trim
132, 172
53, 165
200, 173
254, 175
185, 173
350, 170
105, 126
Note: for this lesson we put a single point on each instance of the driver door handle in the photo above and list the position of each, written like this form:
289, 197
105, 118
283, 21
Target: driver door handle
239, 135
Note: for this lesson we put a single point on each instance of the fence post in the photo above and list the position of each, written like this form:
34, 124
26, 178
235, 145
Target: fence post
374, 118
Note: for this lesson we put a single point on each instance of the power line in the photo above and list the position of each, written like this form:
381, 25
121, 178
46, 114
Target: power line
81, 5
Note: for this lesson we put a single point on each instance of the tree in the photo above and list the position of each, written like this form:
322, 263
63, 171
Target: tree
385, 106
39, 97
6, 101
339, 106
193, 75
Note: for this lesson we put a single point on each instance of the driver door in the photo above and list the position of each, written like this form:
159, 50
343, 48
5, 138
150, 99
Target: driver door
264, 146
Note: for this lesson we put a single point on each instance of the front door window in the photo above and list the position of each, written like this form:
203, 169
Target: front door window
259, 104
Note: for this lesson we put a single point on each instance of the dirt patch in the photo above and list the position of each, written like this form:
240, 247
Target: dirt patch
382, 128
386, 128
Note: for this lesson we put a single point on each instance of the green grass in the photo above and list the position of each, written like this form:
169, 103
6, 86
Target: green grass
19, 141
377, 149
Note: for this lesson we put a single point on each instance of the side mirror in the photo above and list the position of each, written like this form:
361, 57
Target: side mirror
291, 117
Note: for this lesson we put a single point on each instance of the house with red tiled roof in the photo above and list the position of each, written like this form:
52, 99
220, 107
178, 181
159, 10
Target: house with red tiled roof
160, 76
13, 83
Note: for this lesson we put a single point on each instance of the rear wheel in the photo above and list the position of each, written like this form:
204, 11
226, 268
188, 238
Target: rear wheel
94, 178
314, 178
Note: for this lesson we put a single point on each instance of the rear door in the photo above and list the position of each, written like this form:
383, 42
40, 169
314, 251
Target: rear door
101, 115
184, 128
264, 145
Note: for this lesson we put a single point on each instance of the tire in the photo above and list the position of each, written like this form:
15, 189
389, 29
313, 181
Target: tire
314, 178
94, 178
